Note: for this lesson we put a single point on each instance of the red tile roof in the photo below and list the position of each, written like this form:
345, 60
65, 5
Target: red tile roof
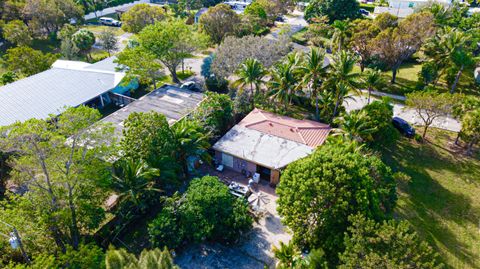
307, 132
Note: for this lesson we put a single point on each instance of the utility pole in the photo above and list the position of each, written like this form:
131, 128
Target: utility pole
15, 241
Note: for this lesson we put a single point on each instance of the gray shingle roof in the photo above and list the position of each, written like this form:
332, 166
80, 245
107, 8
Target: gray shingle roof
168, 100
50, 91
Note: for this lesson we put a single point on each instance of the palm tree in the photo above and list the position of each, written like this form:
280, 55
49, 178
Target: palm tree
251, 73
286, 254
462, 60
149, 259
314, 72
356, 126
192, 141
133, 181
441, 48
373, 81
283, 83
341, 77
340, 33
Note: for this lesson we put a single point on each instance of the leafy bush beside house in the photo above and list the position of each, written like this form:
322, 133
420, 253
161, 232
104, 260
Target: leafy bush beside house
207, 211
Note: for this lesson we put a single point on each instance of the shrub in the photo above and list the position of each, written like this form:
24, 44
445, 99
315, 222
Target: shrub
207, 211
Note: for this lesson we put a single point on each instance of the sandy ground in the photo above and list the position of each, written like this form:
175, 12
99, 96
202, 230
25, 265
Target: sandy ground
252, 251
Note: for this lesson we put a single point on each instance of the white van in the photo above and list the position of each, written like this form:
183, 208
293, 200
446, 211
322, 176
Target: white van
109, 21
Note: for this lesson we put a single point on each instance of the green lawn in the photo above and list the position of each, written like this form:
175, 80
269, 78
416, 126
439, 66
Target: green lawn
97, 29
442, 200
407, 77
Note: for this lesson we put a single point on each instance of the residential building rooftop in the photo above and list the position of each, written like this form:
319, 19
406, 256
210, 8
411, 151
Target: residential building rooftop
271, 140
68, 83
171, 101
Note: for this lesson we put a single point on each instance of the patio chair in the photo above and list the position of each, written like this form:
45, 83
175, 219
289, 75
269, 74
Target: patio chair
220, 168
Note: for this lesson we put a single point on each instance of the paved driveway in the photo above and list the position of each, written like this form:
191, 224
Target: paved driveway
405, 113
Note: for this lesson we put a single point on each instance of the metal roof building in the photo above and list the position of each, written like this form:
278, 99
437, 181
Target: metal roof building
171, 101
68, 83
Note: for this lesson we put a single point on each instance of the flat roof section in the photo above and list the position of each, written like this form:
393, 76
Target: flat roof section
169, 100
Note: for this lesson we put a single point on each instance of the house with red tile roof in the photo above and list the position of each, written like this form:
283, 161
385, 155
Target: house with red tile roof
264, 143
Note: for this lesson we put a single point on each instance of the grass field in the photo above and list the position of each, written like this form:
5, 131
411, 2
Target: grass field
97, 29
442, 200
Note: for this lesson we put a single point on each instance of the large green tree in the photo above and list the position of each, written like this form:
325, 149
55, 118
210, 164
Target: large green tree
141, 15
148, 137
207, 211
219, 21
84, 40
215, 113
27, 61
319, 192
333, 9
394, 45
61, 161
48, 16
140, 63
17, 33
388, 244
171, 42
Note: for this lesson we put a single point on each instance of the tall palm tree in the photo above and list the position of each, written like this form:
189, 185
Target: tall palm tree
149, 259
340, 33
356, 126
314, 72
373, 81
192, 141
462, 61
441, 48
251, 73
283, 83
133, 181
286, 254
341, 77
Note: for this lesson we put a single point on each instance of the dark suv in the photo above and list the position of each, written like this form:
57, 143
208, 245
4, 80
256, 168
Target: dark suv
403, 127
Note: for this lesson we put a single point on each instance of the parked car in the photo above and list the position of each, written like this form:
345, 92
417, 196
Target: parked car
109, 21
280, 19
189, 85
364, 12
403, 126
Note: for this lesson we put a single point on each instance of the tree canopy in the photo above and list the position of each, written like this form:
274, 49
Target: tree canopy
170, 42
207, 211
27, 61
333, 9
141, 15
319, 192
61, 163
385, 245
219, 21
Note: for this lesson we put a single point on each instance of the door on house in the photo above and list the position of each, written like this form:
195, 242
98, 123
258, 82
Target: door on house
227, 160
264, 172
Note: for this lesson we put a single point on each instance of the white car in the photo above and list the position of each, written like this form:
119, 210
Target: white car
109, 21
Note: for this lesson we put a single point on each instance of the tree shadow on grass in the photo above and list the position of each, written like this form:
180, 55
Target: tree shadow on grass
426, 203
